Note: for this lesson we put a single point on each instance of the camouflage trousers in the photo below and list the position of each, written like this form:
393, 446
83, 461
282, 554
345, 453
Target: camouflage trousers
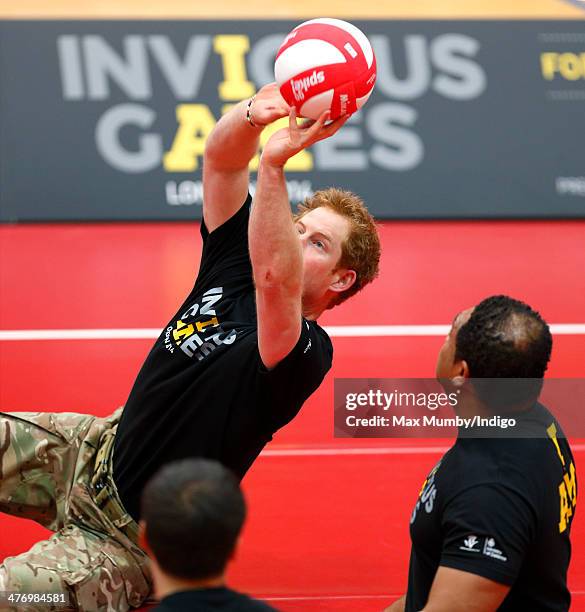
48, 469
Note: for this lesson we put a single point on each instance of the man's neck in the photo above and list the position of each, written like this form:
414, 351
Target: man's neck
167, 585
471, 406
313, 310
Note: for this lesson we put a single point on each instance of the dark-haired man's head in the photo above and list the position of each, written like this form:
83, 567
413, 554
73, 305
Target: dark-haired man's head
500, 338
192, 514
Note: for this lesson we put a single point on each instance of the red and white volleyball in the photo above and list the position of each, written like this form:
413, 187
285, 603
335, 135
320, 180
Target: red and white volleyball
325, 64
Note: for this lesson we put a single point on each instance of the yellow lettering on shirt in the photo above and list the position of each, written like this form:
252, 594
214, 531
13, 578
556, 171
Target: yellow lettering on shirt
551, 430
183, 331
201, 325
566, 510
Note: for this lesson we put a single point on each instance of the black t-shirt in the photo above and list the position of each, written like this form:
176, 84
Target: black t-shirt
203, 390
501, 509
211, 600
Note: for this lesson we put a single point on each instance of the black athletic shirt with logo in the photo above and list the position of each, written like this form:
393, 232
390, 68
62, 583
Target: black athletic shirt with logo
502, 509
203, 390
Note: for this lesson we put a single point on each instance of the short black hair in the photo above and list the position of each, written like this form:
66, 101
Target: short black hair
194, 511
505, 338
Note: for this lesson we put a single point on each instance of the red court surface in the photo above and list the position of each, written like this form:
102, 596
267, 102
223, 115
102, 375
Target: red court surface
328, 526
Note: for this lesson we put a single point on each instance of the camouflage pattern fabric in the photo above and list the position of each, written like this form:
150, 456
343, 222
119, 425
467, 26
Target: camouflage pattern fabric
47, 462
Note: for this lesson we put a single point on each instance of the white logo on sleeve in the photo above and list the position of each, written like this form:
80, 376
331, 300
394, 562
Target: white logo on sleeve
470, 543
490, 550
308, 347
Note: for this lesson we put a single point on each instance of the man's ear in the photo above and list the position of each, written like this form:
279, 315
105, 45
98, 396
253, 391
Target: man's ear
345, 279
465, 369
460, 373
142, 540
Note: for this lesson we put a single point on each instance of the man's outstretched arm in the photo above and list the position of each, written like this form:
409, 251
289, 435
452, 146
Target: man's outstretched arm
228, 151
275, 248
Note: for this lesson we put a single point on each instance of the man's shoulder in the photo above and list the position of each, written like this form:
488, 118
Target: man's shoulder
320, 334
517, 467
316, 346
474, 463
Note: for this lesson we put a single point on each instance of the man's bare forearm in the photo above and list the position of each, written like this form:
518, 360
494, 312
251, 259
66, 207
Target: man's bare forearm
275, 248
233, 142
